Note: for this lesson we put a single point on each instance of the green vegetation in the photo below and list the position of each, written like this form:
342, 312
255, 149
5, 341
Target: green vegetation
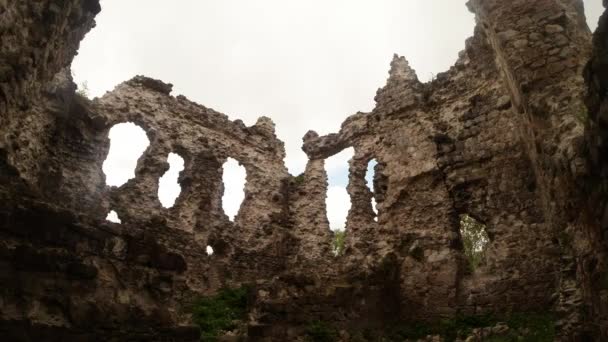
338, 243
531, 326
299, 179
582, 114
604, 281
220, 313
474, 239
417, 253
318, 331
83, 89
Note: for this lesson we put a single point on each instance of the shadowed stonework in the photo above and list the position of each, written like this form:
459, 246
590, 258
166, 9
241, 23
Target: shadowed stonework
513, 135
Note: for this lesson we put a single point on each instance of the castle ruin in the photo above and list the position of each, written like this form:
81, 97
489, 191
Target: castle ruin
513, 135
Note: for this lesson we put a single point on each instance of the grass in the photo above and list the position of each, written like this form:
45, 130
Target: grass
220, 313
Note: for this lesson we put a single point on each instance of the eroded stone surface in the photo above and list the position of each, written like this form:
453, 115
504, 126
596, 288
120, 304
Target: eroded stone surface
503, 136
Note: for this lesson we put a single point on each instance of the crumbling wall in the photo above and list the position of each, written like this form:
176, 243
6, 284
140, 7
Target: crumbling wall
38, 39
541, 48
503, 136
592, 268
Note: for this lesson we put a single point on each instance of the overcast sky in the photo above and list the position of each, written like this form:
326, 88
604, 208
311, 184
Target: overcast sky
306, 64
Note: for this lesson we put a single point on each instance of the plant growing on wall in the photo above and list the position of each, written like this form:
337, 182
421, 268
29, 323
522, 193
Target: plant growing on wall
474, 239
338, 243
220, 313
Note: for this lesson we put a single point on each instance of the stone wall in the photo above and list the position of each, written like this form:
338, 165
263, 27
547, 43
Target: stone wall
504, 136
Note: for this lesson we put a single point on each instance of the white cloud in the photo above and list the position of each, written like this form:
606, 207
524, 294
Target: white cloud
234, 178
113, 217
168, 188
127, 143
306, 64
593, 10
338, 201
338, 204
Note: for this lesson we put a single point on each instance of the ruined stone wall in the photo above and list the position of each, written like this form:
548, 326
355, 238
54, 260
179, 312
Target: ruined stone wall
38, 39
592, 267
542, 47
503, 136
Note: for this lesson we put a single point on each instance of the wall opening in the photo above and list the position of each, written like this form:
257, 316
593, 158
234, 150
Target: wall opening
168, 187
475, 240
338, 242
209, 250
593, 11
113, 217
369, 178
127, 144
234, 179
338, 200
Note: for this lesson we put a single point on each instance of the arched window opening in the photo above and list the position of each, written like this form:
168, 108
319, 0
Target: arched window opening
209, 250
127, 143
113, 217
475, 240
168, 187
369, 178
234, 178
338, 200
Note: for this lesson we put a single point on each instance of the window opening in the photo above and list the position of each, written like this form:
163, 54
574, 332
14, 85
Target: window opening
338, 200
168, 186
113, 217
127, 144
234, 178
475, 240
369, 178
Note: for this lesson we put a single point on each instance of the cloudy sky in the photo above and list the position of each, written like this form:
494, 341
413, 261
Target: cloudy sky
306, 64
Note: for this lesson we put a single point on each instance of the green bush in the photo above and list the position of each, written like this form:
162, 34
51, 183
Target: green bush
338, 243
299, 179
474, 239
318, 331
83, 89
539, 328
220, 313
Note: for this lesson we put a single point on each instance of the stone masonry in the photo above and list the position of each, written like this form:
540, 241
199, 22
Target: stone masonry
513, 135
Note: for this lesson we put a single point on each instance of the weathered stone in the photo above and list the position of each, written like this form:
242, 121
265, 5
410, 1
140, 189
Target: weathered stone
503, 136
551, 29
520, 44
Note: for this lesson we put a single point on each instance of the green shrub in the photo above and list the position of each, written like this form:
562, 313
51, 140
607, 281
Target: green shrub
83, 89
474, 239
338, 243
299, 179
539, 327
220, 313
318, 331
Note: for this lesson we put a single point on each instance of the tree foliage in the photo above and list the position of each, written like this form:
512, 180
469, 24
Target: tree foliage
474, 239
83, 89
338, 244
